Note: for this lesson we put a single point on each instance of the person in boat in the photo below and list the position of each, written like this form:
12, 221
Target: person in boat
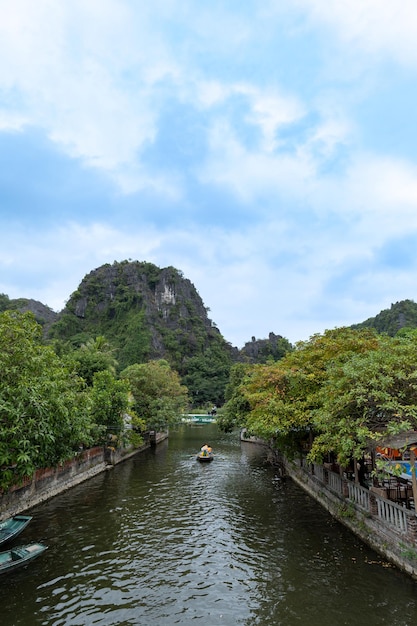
205, 450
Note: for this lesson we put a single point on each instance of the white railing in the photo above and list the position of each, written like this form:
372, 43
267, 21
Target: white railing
318, 471
389, 512
392, 513
335, 482
359, 495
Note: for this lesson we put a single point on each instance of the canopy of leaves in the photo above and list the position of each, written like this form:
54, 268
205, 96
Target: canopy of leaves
96, 355
44, 410
207, 375
109, 401
349, 387
237, 406
159, 398
371, 394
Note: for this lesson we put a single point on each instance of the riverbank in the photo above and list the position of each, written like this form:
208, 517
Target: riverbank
50, 482
387, 527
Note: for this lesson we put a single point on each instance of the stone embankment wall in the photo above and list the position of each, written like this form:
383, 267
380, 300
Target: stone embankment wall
386, 526
47, 483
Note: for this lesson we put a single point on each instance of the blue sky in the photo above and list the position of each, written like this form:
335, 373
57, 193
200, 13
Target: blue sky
268, 150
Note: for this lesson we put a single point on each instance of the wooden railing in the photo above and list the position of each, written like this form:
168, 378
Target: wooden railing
319, 472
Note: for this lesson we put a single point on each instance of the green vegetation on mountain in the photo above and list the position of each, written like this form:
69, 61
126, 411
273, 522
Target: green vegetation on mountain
147, 313
401, 315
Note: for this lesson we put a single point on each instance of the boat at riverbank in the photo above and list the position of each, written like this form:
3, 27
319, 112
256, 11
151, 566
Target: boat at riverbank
18, 556
10, 528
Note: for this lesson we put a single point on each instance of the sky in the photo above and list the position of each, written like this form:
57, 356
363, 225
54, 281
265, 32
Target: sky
266, 149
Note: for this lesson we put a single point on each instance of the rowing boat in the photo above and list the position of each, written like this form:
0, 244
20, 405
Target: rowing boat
10, 528
205, 458
18, 556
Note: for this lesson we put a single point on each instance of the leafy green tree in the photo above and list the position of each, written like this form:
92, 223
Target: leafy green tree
368, 396
159, 398
207, 376
284, 396
96, 355
109, 401
236, 407
348, 387
44, 409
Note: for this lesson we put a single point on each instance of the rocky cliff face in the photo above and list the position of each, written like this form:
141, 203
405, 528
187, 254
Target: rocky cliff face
146, 311
43, 314
261, 350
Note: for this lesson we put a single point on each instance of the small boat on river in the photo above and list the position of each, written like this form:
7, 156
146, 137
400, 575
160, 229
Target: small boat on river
10, 528
205, 457
206, 454
20, 555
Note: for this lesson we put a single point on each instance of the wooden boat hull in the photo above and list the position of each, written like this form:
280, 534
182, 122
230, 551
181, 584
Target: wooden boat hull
10, 528
204, 458
20, 555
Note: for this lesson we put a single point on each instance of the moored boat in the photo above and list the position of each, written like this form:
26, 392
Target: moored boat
10, 528
18, 556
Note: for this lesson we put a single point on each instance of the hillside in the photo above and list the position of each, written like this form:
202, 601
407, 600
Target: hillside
149, 313
401, 315
43, 314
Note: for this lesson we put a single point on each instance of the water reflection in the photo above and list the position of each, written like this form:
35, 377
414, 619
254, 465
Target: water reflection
162, 539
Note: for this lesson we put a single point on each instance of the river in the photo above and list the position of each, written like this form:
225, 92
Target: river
162, 539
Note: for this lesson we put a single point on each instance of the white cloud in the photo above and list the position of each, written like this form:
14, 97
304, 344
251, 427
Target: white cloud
377, 27
250, 174
86, 75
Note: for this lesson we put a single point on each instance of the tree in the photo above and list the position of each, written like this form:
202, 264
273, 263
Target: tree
44, 409
367, 397
236, 408
109, 401
96, 355
207, 375
158, 396
284, 396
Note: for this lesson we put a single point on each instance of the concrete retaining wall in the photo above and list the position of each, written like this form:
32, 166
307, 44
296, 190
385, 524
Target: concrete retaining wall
399, 549
47, 483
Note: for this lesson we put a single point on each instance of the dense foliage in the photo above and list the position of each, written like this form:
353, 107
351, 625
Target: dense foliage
54, 402
348, 387
44, 409
159, 399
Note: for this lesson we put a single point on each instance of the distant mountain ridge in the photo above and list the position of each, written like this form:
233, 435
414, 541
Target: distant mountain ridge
146, 312
400, 315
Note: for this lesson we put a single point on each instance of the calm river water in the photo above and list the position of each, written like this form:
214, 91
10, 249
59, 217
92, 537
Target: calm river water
163, 540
